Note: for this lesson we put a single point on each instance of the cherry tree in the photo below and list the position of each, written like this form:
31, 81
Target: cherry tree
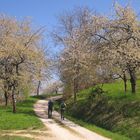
21, 56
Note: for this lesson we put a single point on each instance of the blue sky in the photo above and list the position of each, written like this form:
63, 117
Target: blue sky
44, 12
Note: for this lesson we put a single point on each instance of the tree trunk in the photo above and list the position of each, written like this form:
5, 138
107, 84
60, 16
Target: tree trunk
56, 91
6, 98
75, 81
125, 86
38, 87
125, 82
133, 80
75, 89
13, 100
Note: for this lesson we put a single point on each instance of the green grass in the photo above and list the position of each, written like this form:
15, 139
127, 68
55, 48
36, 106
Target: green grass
25, 117
116, 91
114, 110
13, 138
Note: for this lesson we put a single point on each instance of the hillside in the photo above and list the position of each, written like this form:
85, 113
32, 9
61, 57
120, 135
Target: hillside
109, 108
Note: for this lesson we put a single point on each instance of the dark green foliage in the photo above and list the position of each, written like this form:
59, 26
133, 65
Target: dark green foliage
41, 97
44, 96
97, 91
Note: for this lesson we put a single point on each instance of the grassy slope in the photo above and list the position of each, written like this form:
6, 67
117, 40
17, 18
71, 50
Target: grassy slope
25, 117
114, 111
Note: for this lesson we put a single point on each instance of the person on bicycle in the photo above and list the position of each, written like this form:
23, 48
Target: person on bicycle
50, 108
62, 109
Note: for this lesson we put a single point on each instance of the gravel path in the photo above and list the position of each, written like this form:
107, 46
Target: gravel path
62, 130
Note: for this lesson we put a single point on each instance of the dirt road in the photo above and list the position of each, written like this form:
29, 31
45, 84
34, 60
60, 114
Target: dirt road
62, 130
